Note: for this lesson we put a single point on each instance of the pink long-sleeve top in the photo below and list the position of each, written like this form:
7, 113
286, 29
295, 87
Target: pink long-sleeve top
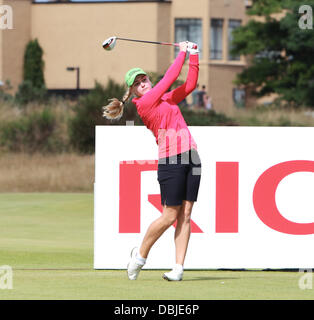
161, 114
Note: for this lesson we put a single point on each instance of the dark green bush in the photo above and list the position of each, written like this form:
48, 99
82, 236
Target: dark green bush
33, 87
27, 93
31, 133
88, 114
206, 118
5, 96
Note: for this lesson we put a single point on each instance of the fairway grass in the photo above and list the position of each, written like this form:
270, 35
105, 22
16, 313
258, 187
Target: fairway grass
47, 238
114, 285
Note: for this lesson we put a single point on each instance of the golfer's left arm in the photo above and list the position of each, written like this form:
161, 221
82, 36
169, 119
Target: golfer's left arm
152, 97
178, 94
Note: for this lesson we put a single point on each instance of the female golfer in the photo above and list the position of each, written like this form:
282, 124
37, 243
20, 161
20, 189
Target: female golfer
178, 165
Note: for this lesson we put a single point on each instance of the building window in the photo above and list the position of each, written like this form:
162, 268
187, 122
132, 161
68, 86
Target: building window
233, 24
216, 28
189, 29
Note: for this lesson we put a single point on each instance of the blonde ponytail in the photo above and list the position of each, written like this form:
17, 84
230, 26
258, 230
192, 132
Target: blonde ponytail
114, 110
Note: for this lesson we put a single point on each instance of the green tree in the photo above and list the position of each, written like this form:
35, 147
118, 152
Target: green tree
33, 85
34, 64
280, 53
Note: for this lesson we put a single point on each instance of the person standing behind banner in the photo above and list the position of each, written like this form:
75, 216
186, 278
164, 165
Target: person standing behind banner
195, 96
208, 102
201, 94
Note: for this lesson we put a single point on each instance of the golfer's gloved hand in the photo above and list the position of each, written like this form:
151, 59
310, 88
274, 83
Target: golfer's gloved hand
192, 48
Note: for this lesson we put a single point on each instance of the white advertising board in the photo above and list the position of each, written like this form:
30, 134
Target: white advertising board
255, 207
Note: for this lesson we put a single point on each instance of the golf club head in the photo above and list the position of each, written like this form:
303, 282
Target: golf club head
109, 43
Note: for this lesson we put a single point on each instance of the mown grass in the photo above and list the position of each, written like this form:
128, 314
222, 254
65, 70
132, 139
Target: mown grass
113, 285
46, 230
47, 238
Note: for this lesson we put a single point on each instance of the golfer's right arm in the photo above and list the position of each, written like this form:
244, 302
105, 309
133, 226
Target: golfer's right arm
178, 94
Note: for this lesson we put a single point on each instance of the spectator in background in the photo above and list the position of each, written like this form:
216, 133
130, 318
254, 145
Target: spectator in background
208, 102
195, 96
201, 95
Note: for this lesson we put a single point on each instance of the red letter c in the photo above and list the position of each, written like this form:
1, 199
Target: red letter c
264, 197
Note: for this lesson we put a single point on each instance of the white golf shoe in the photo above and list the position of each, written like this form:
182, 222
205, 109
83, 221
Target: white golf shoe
134, 265
176, 274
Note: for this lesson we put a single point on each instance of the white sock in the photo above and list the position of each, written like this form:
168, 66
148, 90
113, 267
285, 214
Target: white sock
140, 259
178, 267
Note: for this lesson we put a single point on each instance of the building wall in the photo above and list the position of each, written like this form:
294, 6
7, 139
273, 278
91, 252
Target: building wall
1, 51
216, 75
72, 35
193, 9
221, 86
223, 72
164, 35
14, 42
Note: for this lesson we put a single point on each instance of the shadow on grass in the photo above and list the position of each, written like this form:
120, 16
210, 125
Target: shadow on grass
209, 279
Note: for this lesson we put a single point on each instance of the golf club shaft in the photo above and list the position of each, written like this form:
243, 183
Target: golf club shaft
153, 42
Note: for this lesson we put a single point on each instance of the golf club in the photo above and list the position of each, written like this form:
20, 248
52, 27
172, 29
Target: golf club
110, 43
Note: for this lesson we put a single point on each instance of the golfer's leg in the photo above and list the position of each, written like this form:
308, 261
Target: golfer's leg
183, 230
158, 227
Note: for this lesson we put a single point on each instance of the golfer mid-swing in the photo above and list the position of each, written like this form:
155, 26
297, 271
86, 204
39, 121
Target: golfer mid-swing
178, 165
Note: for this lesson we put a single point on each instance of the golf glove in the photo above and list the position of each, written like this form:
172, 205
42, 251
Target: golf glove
192, 48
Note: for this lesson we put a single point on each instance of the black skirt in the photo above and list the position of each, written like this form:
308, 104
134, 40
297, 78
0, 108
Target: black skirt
179, 178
